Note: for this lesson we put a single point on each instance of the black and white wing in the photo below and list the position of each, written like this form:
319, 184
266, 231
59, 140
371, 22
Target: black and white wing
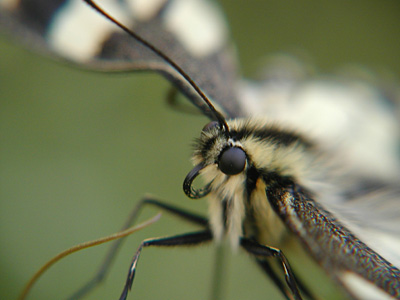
349, 221
365, 200
363, 257
192, 33
354, 118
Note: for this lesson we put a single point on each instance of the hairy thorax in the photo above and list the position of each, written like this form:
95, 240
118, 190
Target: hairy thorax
238, 205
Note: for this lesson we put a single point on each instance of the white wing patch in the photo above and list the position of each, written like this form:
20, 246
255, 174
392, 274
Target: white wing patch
348, 118
197, 25
144, 10
362, 288
78, 31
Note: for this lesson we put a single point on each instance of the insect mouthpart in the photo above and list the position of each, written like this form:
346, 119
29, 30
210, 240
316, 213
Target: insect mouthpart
232, 161
215, 147
187, 184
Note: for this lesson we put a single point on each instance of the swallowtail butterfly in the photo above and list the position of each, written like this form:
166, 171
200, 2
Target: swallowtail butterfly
359, 191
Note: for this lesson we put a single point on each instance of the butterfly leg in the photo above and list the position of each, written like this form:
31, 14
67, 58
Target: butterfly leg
189, 239
266, 267
264, 264
266, 251
105, 266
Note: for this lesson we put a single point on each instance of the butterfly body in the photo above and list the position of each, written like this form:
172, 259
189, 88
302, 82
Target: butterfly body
245, 205
303, 177
284, 176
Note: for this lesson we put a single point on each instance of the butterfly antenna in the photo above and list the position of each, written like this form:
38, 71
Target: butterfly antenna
166, 58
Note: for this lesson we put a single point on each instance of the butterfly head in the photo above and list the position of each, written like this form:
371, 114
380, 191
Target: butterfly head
218, 150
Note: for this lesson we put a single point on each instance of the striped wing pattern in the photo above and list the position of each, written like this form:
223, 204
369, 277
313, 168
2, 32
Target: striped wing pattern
194, 34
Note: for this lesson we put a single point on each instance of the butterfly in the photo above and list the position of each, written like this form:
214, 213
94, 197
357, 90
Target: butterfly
225, 104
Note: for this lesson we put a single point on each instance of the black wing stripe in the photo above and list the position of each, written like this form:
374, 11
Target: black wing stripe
38, 13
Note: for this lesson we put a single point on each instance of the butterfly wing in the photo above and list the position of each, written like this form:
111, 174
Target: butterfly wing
73, 31
355, 262
349, 220
353, 118
192, 33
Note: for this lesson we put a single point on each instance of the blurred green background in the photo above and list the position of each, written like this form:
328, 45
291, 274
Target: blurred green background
79, 149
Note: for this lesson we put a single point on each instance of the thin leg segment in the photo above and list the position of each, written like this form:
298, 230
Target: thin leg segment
105, 266
266, 251
189, 239
267, 268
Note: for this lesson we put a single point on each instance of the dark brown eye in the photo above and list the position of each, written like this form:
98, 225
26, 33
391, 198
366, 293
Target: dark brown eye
210, 125
232, 161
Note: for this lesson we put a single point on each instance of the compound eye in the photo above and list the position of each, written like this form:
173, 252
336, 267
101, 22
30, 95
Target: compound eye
210, 125
232, 161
